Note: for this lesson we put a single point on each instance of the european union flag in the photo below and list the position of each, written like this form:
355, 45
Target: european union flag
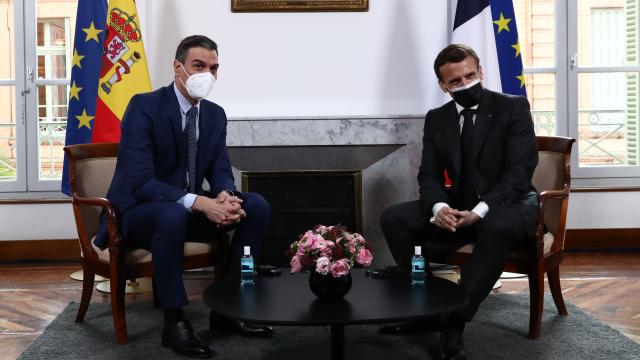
489, 27
85, 73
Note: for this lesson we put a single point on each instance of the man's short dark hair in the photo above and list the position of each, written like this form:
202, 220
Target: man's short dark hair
454, 53
191, 42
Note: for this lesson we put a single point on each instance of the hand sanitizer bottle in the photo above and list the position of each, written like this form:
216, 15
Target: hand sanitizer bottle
246, 267
417, 267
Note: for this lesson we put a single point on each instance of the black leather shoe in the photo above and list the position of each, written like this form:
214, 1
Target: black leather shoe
243, 328
181, 338
451, 344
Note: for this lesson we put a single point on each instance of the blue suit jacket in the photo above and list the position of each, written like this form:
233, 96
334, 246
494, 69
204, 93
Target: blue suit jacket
153, 153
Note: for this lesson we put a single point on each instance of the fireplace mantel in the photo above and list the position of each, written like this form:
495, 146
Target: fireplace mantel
386, 149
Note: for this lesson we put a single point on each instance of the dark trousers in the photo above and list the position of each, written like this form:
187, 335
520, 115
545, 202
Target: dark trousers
504, 228
164, 226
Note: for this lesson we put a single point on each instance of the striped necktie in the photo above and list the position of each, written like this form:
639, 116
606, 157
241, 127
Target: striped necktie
192, 147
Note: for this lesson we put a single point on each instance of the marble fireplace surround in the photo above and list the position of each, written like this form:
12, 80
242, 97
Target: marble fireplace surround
386, 150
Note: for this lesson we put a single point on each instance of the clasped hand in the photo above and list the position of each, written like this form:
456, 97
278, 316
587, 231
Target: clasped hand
225, 209
452, 219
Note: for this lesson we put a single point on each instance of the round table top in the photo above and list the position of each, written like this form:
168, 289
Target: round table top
288, 300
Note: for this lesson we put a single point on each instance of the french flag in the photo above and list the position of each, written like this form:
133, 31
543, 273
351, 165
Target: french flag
489, 27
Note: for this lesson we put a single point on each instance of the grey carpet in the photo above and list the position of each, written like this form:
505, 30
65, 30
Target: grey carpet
498, 332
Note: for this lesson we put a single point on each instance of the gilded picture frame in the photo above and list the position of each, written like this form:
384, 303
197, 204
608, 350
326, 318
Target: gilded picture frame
298, 5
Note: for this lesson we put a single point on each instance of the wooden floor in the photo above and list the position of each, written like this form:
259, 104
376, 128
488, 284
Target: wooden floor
605, 285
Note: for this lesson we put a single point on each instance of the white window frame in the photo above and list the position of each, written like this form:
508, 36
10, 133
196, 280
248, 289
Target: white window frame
20, 93
605, 176
26, 83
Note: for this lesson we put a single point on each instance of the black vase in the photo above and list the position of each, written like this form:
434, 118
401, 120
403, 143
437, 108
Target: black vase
327, 287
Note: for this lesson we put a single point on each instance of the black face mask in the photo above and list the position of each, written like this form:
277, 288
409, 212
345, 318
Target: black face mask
468, 96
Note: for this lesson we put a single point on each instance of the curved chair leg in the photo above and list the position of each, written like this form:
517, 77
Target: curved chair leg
536, 293
553, 276
117, 309
87, 291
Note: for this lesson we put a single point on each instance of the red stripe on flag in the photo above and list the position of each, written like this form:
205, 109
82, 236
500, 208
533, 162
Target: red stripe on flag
106, 126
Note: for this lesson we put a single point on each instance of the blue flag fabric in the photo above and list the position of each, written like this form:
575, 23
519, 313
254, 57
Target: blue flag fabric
85, 73
489, 27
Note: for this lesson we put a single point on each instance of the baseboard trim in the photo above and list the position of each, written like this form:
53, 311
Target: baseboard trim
37, 250
602, 239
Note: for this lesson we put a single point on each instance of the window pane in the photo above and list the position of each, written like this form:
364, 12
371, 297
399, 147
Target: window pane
52, 124
7, 134
7, 48
541, 90
52, 66
608, 113
55, 24
56, 32
55, 21
536, 28
605, 28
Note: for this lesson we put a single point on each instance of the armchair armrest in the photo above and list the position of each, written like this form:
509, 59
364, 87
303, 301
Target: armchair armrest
114, 238
543, 198
553, 194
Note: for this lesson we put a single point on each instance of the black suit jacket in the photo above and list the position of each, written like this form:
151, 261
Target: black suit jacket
504, 148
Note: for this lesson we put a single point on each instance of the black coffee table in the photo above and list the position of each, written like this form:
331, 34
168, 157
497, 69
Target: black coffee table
288, 300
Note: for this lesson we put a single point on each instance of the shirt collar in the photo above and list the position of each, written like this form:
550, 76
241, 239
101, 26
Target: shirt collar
460, 107
184, 103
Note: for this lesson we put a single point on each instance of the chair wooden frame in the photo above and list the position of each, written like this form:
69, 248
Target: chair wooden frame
532, 260
117, 269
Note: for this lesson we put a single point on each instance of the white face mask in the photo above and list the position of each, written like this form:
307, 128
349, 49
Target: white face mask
199, 85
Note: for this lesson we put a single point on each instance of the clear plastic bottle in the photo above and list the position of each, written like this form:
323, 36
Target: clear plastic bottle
417, 267
246, 267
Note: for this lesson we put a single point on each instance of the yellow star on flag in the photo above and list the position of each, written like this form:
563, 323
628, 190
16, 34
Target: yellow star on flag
76, 59
92, 33
74, 90
502, 23
517, 47
84, 120
521, 78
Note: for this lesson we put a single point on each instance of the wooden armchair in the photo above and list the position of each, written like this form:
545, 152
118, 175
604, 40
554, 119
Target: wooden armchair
91, 168
552, 178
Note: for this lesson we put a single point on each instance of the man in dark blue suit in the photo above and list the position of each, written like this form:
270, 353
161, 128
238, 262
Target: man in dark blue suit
172, 140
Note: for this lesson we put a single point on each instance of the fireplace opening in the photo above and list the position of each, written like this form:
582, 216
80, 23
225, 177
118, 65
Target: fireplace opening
299, 201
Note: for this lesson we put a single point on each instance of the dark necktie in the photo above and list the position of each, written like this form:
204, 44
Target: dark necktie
192, 147
468, 192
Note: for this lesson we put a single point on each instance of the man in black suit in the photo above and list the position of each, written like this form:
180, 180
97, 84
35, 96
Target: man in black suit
485, 142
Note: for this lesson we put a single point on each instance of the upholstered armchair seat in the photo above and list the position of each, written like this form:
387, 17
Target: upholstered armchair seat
544, 253
91, 168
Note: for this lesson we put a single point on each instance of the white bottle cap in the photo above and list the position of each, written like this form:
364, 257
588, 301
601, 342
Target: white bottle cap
247, 250
418, 250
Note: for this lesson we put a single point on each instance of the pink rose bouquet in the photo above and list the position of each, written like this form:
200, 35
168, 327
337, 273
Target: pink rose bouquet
329, 250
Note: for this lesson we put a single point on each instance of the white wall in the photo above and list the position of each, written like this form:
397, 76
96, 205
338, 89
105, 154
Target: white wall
277, 64
308, 64
37, 222
586, 211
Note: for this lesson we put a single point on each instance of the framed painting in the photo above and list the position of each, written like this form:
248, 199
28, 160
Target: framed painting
298, 5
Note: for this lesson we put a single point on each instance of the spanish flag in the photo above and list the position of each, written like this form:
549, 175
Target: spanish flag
124, 71
109, 67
